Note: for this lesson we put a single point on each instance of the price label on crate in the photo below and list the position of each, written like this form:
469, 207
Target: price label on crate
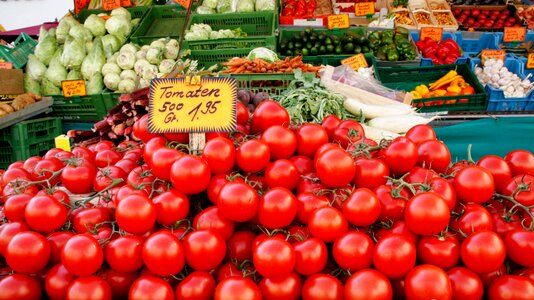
488, 54
434, 33
338, 21
126, 3
6, 65
73, 88
184, 3
192, 104
514, 34
355, 62
364, 8
111, 4
530, 61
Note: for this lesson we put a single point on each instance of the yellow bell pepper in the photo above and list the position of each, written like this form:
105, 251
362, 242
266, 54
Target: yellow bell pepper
454, 89
416, 95
422, 90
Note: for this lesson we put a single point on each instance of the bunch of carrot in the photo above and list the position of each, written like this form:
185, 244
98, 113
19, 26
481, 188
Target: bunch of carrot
287, 65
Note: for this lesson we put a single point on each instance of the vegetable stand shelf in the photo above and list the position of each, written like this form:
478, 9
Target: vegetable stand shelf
85, 108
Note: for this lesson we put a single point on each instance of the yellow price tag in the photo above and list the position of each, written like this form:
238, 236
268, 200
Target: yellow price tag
364, 8
434, 33
355, 62
126, 3
514, 34
111, 4
184, 3
73, 88
495, 54
338, 21
6, 65
530, 61
180, 105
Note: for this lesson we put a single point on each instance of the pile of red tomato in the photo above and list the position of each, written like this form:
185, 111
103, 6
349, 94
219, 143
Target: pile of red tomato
271, 211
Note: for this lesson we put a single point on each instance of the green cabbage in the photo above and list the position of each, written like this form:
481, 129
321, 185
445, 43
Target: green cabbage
111, 44
35, 68
94, 61
204, 10
263, 53
74, 75
96, 25
224, 6
42, 34
94, 85
111, 81
263, 5
119, 25
46, 48
210, 3
56, 72
121, 11
80, 32
31, 86
245, 6
49, 88
62, 32
73, 53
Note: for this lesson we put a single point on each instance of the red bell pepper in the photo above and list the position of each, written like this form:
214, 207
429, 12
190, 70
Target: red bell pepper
430, 50
443, 52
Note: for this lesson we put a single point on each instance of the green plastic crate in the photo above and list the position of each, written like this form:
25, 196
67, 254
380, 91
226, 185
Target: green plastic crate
67, 125
272, 84
207, 58
85, 108
259, 26
161, 22
28, 138
407, 78
137, 12
18, 55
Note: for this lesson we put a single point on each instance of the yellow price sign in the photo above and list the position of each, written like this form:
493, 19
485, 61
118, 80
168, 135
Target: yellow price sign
192, 104
111, 4
355, 62
434, 33
73, 88
530, 61
126, 3
514, 34
6, 65
364, 8
184, 3
338, 21
488, 54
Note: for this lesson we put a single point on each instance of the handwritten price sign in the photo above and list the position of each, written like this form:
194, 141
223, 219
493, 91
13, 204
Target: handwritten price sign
111, 4
364, 8
434, 33
178, 105
355, 62
184, 3
6, 65
338, 21
73, 88
514, 34
488, 54
530, 61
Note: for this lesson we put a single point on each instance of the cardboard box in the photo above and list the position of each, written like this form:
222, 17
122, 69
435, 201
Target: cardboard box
11, 84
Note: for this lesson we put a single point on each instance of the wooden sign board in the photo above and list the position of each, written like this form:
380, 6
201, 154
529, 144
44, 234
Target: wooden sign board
434, 33
192, 104
338, 21
495, 54
73, 88
364, 8
514, 34
355, 62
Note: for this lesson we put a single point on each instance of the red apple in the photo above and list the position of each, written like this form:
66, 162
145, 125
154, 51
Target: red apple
508, 24
485, 12
488, 23
482, 17
456, 11
476, 25
503, 17
470, 22
511, 20
475, 12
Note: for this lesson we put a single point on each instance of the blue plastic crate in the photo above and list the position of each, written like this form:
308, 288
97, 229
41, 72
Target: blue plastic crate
472, 42
500, 35
497, 101
425, 62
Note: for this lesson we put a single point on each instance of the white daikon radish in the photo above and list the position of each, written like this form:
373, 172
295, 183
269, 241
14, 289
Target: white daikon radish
377, 134
370, 111
353, 92
400, 123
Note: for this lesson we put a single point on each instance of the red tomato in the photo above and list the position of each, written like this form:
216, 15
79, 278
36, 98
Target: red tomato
190, 174
57, 281
253, 156
499, 168
119, 282
309, 138
239, 246
282, 141
196, 286
28, 252
182, 138
398, 227
238, 201
520, 247
268, 113
220, 154
307, 203
163, 254
45, 214
474, 184
370, 173
465, 284
136, 214
330, 123
79, 178
420, 175
282, 173
20, 286
150, 287
82, 255
421, 133
327, 224
362, 207
162, 160
124, 254
521, 162
242, 113
392, 201
88, 219
237, 288
107, 176
303, 164
171, 207
442, 251
427, 282
426, 214
368, 284
151, 146
140, 129
211, 218
287, 287
29, 164
277, 208
106, 158
45, 169
524, 184
335, 168
204, 249
394, 255
400, 156
274, 258
90, 287
322, 287
14, 207
57, 240
434, 155
443, 188
349, 132
511, 287
353, 251
126, 164
8, 231
483, 251
311, 256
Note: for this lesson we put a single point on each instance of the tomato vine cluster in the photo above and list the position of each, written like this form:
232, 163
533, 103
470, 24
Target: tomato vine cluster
274, 210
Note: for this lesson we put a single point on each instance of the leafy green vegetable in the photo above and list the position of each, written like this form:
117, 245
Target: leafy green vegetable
266, 54
46, 48
307, 100
96, 25
94, 61
31, 86
94, 85
245, 6
35, 68
74, 75
263, 5
73, 53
